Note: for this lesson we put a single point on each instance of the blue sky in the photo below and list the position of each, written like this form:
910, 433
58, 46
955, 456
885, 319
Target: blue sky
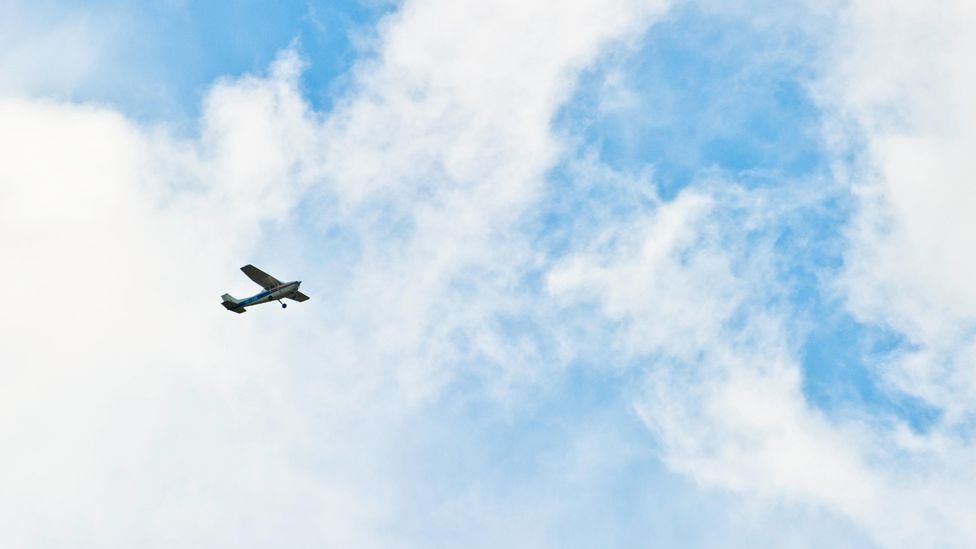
622, 274
162, 56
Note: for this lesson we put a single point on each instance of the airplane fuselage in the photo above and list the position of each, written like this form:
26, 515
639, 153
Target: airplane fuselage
272, 294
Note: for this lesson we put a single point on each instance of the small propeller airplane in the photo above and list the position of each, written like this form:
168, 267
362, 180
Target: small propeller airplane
274, 290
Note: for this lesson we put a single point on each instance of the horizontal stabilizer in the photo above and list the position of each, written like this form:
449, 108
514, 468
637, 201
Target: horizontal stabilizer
232, 304
234, 307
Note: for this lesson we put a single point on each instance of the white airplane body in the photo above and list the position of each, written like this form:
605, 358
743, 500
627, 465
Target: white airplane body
274, 290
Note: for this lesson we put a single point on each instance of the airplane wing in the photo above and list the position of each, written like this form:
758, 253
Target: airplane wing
262, 278
298, 296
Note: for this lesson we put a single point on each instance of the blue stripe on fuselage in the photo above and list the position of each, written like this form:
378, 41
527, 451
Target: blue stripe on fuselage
252, 299
265, 294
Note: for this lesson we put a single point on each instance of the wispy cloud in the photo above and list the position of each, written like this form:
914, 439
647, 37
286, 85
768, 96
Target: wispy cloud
694, 293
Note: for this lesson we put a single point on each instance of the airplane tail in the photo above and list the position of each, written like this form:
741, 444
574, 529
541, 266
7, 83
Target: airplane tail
231, 304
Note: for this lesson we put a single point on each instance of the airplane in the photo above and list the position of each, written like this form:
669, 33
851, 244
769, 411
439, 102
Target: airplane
274, 290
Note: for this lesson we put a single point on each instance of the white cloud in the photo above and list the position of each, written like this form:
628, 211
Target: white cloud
692, 287
448, 137
136, 411
694, 297
905, 81
133, 412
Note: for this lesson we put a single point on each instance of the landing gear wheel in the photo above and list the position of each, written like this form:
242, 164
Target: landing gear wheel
284, 305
